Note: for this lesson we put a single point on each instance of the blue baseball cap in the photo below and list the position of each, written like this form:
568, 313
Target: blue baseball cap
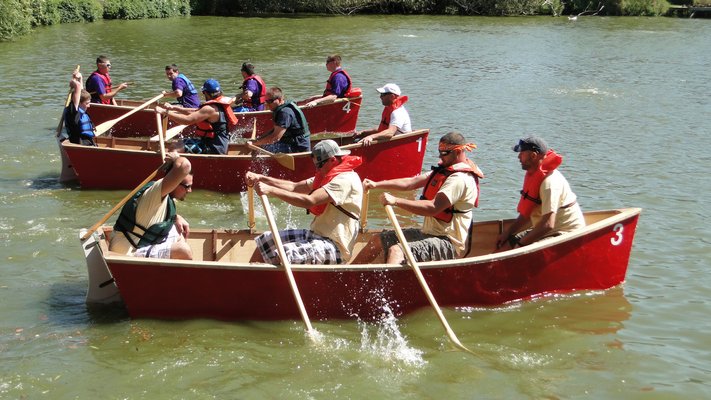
211, 86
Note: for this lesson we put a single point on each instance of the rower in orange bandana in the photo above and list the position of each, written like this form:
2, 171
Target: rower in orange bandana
450, 194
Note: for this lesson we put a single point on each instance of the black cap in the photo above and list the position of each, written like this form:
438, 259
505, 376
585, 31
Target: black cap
532, 143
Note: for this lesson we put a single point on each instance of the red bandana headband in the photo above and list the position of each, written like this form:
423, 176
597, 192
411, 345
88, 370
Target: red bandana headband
464, 147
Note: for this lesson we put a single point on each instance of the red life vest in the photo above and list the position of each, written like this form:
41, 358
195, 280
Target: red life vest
350, 90
262, 92
530, 194
348, 163
205, 128
437, 178
388, 110
107, 84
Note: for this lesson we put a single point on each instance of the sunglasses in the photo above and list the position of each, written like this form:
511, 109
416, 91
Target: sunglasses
270, 101
186, 186
108, 65
523, 146
443, 153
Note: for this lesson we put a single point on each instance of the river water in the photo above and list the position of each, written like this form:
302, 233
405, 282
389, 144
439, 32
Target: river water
623, 99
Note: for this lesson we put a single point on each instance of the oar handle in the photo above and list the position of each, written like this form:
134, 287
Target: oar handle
286, 264
123, 201
364, 211
251, 224
159, 127
421, 279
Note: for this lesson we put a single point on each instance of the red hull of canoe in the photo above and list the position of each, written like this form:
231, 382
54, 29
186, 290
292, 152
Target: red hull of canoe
594, 259
340, 116
113, 169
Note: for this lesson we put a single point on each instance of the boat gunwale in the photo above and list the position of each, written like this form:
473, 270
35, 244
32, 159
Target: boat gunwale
243, 113
418, 132
620, 214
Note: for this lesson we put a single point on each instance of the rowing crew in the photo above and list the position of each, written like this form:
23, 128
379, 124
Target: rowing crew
215, 118
149, 225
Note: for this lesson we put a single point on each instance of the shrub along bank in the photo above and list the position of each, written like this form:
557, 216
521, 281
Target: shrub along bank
18, 17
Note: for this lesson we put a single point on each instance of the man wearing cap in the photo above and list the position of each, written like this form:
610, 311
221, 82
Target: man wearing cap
214, 120
451, 191
99, 83
334, 196
394, 119
291, 131
547, 203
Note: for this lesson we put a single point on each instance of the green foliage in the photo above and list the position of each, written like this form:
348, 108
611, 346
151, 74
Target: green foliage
79, 10
14, 20
644, 7
139, 9
44, 12
437, 7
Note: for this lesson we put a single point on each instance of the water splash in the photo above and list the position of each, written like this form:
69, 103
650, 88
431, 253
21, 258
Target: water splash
388, 342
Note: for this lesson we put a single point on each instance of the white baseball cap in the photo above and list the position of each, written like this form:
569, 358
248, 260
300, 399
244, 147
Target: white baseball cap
390, 88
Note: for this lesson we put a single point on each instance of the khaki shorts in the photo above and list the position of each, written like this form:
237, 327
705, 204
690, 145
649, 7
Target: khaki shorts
424, 247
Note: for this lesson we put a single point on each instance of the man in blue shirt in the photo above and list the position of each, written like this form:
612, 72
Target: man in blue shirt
183, 89
338, 84
291, 131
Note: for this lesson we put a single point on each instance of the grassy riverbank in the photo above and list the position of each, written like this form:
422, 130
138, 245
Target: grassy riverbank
19, 17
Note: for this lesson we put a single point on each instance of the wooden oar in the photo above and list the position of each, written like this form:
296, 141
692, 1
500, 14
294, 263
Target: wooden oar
123, 201
160, 127
413, 263
170, 133
284, 159
66, 104
287, 266
251, 223
364, 211
105, 126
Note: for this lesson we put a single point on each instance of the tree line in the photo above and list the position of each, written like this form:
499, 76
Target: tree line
19, 17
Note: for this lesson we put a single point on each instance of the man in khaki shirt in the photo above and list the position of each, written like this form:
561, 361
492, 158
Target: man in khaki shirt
334, 196
547, 203
450, 194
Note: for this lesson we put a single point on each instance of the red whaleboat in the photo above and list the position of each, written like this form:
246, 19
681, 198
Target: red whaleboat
340, 115
123, 163
220, 283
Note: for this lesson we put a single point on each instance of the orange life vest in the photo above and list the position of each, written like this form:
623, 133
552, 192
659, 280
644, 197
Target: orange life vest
206, 129
530, 194
437, 178
262, 91
348, 163
388, 110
